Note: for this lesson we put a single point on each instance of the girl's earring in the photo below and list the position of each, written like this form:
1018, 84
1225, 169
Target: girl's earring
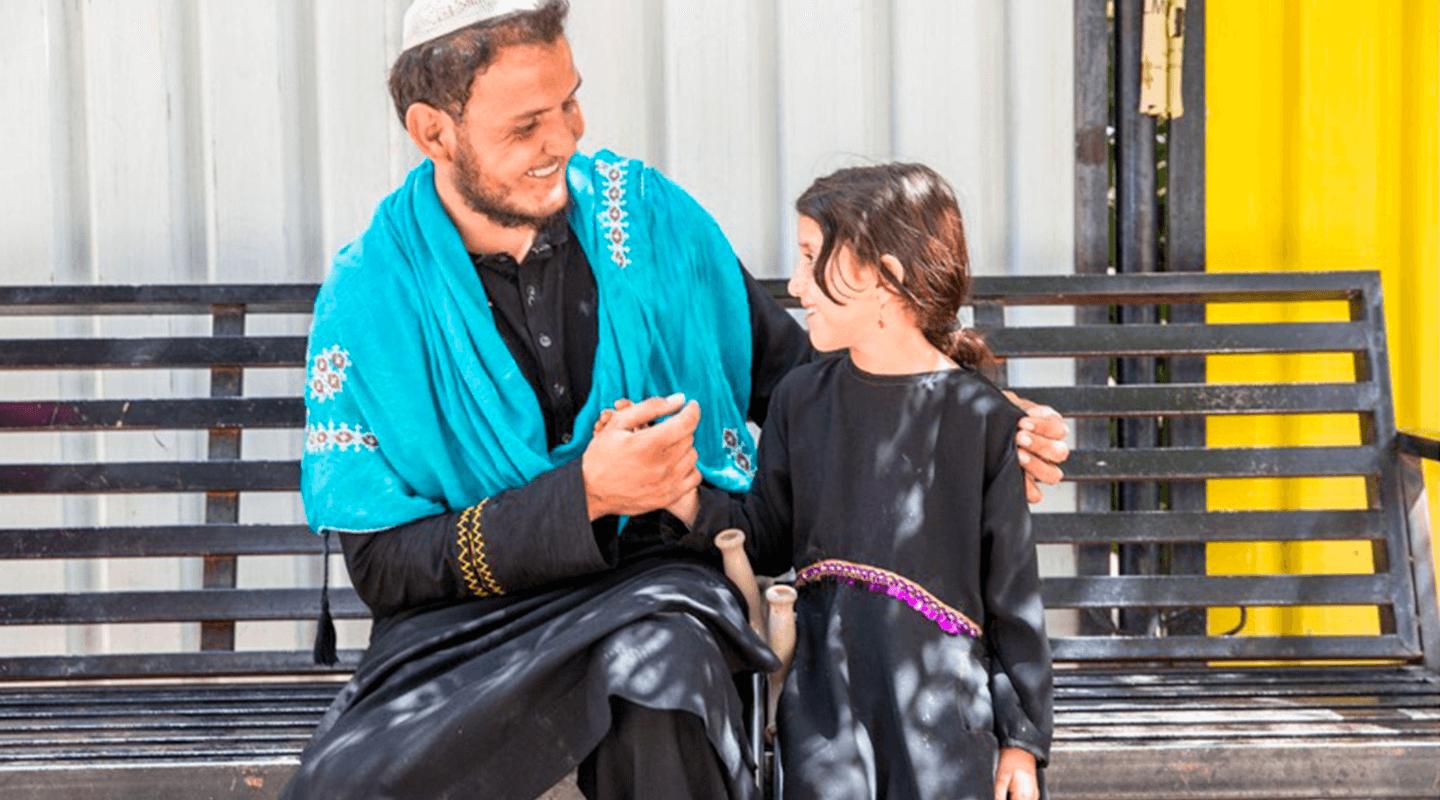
882, 315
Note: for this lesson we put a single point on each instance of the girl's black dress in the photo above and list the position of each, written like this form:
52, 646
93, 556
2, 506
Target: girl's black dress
921, 644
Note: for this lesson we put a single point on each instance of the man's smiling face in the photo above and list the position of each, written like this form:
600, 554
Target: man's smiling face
518, 133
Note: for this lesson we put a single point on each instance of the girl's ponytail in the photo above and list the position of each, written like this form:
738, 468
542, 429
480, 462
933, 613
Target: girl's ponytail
965, 346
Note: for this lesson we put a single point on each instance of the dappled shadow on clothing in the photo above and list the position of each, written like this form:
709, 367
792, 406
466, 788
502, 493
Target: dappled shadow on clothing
913, 722
501, 699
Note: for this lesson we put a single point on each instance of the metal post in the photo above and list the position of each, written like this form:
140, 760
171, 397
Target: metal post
1137, 249
223, 507
1092, 252
1185, 252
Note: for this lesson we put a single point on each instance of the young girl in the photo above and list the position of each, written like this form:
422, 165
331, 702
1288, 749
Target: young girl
888, 480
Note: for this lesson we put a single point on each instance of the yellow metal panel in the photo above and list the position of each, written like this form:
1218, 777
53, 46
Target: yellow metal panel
1322, 144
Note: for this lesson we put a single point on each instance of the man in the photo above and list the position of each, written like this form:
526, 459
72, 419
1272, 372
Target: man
534, 612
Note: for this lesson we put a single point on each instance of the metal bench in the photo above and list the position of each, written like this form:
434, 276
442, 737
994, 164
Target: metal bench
1142, 713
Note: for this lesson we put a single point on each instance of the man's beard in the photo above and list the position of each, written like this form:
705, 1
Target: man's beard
491, 204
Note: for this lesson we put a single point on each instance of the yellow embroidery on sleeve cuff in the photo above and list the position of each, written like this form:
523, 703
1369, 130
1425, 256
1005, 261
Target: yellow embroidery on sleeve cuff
471, 542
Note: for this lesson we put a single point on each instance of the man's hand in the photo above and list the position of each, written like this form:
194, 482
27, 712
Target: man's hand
1015, 776
1042, 445
632, 466
687, 508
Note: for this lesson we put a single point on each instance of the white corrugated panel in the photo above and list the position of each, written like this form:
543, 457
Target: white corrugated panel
247, 140
185, 140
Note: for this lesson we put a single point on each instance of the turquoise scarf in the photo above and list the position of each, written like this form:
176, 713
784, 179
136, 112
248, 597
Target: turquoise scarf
414, 405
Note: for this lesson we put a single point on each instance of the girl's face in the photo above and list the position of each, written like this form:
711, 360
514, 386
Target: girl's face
835, 326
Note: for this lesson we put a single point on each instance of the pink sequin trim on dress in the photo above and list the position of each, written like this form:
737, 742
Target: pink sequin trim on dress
878, 580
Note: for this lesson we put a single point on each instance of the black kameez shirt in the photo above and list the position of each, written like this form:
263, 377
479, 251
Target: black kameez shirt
915, 476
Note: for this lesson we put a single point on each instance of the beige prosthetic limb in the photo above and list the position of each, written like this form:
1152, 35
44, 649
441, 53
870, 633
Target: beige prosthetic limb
779, 629
731, 542
781, 599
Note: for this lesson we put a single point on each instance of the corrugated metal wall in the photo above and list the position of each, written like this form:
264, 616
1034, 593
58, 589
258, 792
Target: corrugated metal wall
240, 140
246, 140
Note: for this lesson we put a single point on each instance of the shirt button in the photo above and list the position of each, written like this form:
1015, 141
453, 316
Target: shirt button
564, 438
530, 294
544, 340
558, 388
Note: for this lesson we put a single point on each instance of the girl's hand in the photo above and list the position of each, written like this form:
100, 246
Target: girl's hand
686, 508
605, 415
604, 421
1015, 776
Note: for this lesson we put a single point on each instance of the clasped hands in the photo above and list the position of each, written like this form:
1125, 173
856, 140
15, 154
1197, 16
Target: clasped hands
635, 464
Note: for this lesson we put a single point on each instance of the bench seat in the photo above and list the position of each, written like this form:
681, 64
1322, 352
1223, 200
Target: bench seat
1167, 734
156, 739
1229, 730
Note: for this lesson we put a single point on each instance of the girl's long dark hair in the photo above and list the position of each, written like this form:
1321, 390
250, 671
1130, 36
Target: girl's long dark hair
907, 211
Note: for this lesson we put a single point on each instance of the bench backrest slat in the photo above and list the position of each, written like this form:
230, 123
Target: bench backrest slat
188, 414
1207, 526
1141, 464
1183, 591
208, 605
1106, 649
203, 663
151, 352
159, 541
157, 476
1169, 288
1187, 399
195, 298
1108, 341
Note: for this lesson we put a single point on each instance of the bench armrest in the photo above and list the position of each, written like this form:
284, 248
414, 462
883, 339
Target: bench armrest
1422, 444
1415, 446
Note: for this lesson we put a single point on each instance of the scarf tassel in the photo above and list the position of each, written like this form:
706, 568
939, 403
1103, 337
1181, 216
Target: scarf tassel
325, 627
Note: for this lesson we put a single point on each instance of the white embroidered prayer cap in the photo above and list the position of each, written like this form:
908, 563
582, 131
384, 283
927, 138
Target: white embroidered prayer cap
431, 19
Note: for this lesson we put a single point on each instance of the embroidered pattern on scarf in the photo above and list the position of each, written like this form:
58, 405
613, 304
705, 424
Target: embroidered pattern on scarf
327, 373
899, 587
319, 438
613, 215
733, 446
